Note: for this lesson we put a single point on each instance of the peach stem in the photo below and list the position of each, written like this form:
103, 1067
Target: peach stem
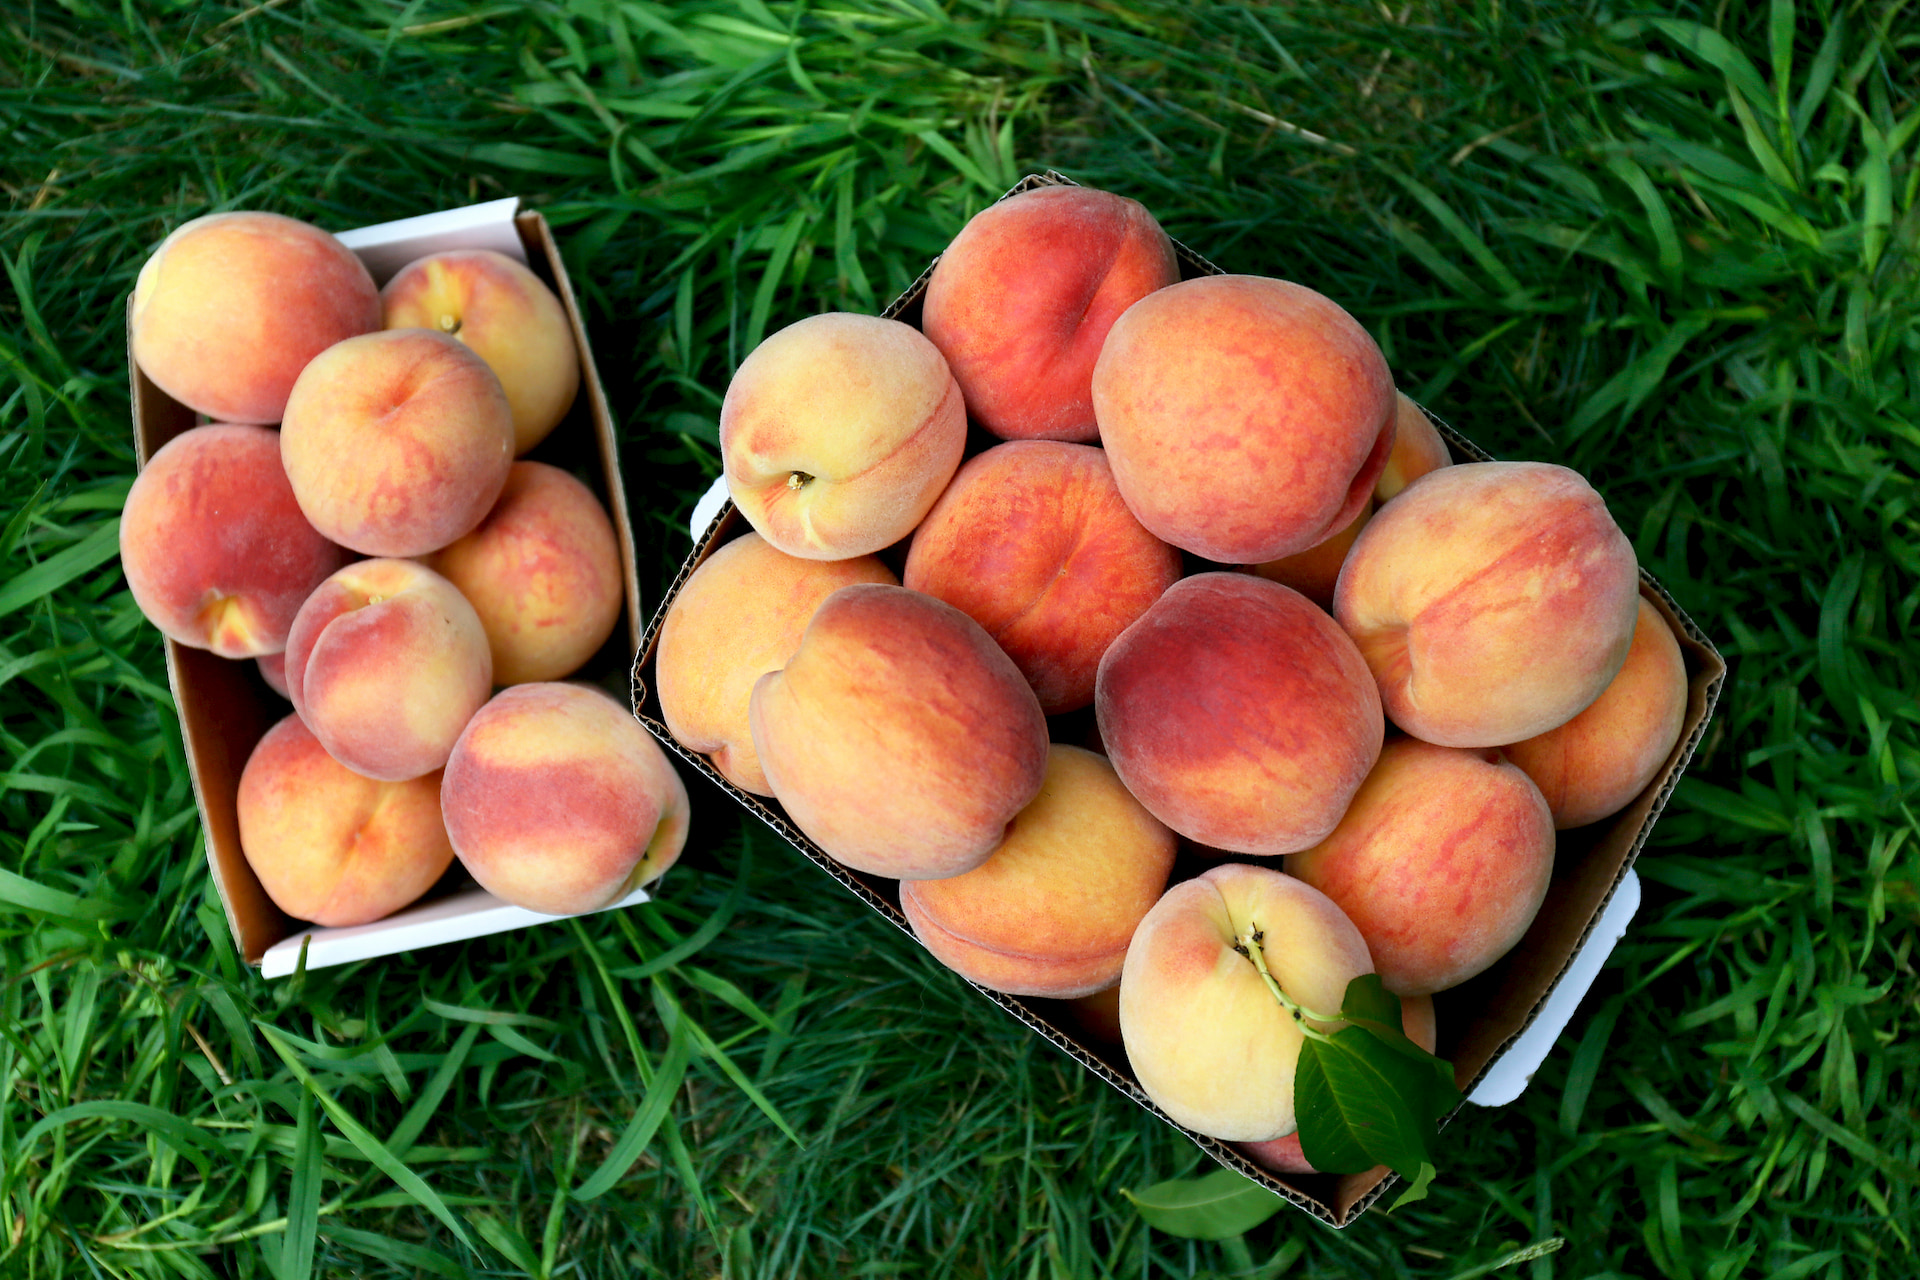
1248, 945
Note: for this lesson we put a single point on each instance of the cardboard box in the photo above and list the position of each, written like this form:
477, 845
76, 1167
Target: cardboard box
225, 706
1485, 1025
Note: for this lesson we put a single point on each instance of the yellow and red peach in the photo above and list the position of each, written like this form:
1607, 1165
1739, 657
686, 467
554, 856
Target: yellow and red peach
899, 737
559, 801
1032, 541
504, 312
330, 845
1417, 449
542, 570
386, 663
838, 432
232, 306
1239, 714
738, 616
1022, 300
397, 442
1050, 911
1246, 418
1492, 600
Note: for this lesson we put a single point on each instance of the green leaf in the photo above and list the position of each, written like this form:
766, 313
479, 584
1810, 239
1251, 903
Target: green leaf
511, 1244
1354, 1089
303, 1197
646, 1121
1219, 1206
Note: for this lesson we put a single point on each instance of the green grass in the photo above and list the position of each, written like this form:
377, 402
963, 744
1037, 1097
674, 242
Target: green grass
1674, 247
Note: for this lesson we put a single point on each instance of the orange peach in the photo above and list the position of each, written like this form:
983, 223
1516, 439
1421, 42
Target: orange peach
1239, 714
232, 306
738, 616
838, 433
1314, 571
386, 663
1417, 449
1441, 862
397, 442
1032, 541
1204, 1034
216, 551
899, 737
1593, 765
558, 800
1492, 600
543, 572
1246, 418
505, 313
1050, 911
330, 845
1022, 300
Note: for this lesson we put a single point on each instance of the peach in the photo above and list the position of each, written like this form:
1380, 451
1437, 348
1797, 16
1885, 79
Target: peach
330, 845
1050, 911
504, 312
838, 433
232, 306
1206, 1038
1239, 714
216, 551
1032, 541
397, 442
273, 670
1246, 418
1314, 571
1417, 449
899, 737
1492, 601
1441, 862
386, 663
738, 616
542, 570
559, 801
1593, 765
1022, 300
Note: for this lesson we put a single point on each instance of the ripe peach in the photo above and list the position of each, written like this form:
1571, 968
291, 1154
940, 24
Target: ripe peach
1246, 418
1022, 300
386, 663
1204, 1034
737, 617
504, 312
216, 551
397, 442
542, 570
1417, 449
1239, 714
899, 737
558, 800
1492, 600
838, 433
232, 306
1050, 911
330, 845
1314, 571
1441, 862
1593, 765
1032, 541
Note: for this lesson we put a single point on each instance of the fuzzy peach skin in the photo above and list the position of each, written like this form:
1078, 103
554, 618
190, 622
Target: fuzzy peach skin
1492, 601
1441, 862
1022, 300
1204, 1035
899, 737
1050, 911
216, 551
330, 845
838, 432
397, 442
738, 616
386, 663
558, 800
507, 315
1032, 541
1246, 418
1314, 571
1239, 714
542, 570
1417, 449
232, 306
1593, 765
